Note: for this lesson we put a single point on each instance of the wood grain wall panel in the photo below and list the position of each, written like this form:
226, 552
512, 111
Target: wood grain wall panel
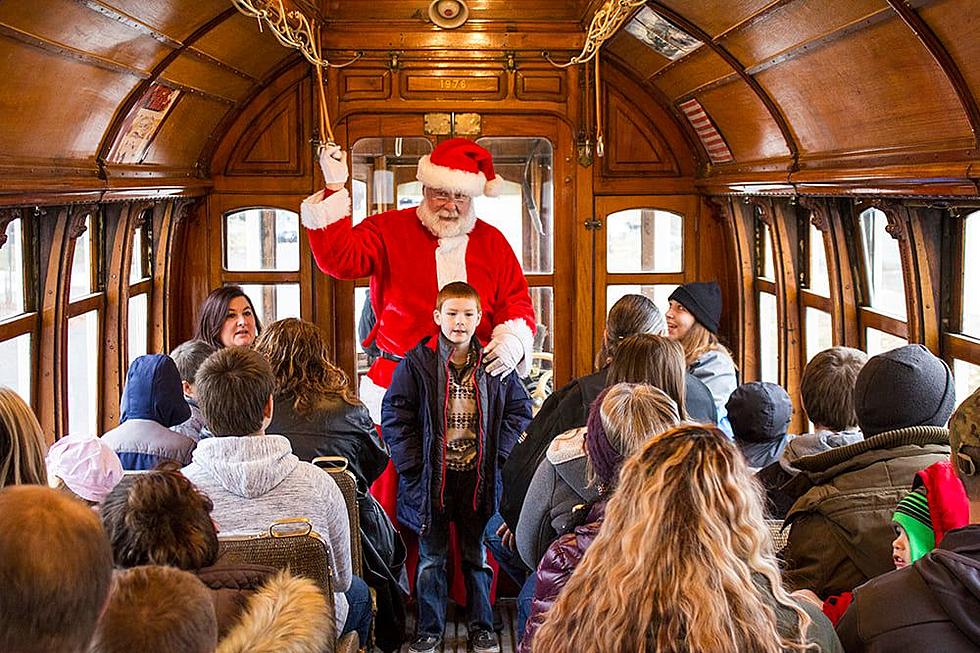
960, 37
364, 83
548, 86
52, 115
200, 74
175, 18
743, 120
699, 68
794, 24
635, 146
184, 133
72, 25
238, 43
643, 61
717, 16
274, 142
887, 93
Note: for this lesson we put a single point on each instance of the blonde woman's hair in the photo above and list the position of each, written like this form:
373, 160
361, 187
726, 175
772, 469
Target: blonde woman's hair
699, 341
683, 561
300, 360
22, 445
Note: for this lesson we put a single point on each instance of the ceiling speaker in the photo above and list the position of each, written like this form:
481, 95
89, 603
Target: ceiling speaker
448, 14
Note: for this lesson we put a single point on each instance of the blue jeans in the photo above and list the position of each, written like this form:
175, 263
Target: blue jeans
431, 583
513, 566
359, 612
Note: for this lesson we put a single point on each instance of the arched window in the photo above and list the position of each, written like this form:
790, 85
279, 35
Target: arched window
18, 318
84, 310
765, 285
818, 330
140, 286
883, 316
964, 344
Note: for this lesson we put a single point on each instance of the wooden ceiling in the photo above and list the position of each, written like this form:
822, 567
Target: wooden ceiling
802, 91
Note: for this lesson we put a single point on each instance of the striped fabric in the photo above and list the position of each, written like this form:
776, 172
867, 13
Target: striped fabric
712, 141
915, 505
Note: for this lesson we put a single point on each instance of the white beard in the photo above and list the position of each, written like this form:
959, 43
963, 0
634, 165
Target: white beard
433, 220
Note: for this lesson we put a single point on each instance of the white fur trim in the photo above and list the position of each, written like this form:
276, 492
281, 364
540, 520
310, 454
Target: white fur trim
371, 394
317, 212
518, 327
494, 187
443, 178
451, 260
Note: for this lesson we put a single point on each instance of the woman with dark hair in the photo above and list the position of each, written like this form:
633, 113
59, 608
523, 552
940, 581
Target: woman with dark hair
228, 319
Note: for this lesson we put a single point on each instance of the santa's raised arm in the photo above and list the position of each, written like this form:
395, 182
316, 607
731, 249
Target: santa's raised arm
410, 254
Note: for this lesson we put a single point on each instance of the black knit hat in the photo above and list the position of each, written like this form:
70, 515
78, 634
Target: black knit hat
903, 387
702, 299
759, 411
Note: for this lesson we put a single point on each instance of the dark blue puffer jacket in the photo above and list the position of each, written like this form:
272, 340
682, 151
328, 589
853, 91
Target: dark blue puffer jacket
413, 426
152, 402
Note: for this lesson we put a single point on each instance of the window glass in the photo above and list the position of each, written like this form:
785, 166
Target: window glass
262, 239
81, 264
15, 373
819, 332
967, 377
83, 373
645, 240
542, 365
383, 174
363, 317
274, 301
524, 210
408, 194
139, 267
137, 320
819, 277
358, 204
877, 341
971, 276
883, 263
768, 342
12, 271
656, 292
766, 263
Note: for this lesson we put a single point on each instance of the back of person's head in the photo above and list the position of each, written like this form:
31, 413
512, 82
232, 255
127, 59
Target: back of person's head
964, 441
300, 358
153, 391
759, 411
457, 290
677, 563
214, 310
159, 610
901, 388
631, 314
84, 466
234, 385
622, 418
22, 443
160, 518
827, 387
652, 359
188, 357
55, 571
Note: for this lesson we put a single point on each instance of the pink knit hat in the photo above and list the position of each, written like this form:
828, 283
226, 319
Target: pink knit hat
461, 166
88, 467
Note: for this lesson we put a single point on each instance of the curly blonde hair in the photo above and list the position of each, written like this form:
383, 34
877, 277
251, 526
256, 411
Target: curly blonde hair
300, 360
681, 563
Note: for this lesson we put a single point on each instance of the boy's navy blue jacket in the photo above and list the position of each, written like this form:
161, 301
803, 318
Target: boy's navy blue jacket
413, 422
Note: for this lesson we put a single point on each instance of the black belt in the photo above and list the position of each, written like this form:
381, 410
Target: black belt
391, 357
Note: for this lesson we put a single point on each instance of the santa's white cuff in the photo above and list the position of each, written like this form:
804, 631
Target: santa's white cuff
518, 327
318, 211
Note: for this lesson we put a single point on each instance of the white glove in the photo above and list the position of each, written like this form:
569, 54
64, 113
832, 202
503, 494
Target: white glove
333, 163
503, 354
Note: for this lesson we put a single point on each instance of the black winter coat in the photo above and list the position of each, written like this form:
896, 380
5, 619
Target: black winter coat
413, 424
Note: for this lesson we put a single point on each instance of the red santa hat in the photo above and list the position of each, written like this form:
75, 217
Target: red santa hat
461, 166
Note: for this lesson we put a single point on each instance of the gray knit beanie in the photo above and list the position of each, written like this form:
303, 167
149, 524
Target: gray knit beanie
903, 387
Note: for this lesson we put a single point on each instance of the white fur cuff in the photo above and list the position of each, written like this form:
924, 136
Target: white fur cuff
518, 327
317, 211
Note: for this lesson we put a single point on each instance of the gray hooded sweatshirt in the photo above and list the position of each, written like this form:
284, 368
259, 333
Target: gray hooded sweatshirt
255, 480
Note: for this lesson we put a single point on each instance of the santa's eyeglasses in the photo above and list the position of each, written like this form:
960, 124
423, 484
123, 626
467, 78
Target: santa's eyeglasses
445, 197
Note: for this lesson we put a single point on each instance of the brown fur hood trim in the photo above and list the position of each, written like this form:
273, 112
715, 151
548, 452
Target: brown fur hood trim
288, 614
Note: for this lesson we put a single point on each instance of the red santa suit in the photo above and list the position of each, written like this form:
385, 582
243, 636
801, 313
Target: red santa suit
408, 265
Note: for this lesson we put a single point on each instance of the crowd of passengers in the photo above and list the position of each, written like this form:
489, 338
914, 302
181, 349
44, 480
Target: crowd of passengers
638, 510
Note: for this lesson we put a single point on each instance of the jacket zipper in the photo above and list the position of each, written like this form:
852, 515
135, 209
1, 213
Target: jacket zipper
479, 432
445, 441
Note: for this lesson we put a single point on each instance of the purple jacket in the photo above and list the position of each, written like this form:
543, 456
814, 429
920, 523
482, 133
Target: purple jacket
556, 568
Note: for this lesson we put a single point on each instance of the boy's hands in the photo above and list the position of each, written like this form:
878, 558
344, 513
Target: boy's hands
506, 536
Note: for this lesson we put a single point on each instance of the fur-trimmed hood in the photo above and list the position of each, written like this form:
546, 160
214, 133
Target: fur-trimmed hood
288, 614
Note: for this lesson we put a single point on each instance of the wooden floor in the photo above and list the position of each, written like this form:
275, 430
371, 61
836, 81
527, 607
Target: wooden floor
455, 637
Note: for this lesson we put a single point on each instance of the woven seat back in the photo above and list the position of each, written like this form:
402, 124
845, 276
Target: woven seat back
778, 535
337, 467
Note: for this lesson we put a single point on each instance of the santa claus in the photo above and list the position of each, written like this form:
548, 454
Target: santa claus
411, 253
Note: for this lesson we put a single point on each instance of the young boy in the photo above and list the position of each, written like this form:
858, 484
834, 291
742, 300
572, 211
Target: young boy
450, 426
188, 356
